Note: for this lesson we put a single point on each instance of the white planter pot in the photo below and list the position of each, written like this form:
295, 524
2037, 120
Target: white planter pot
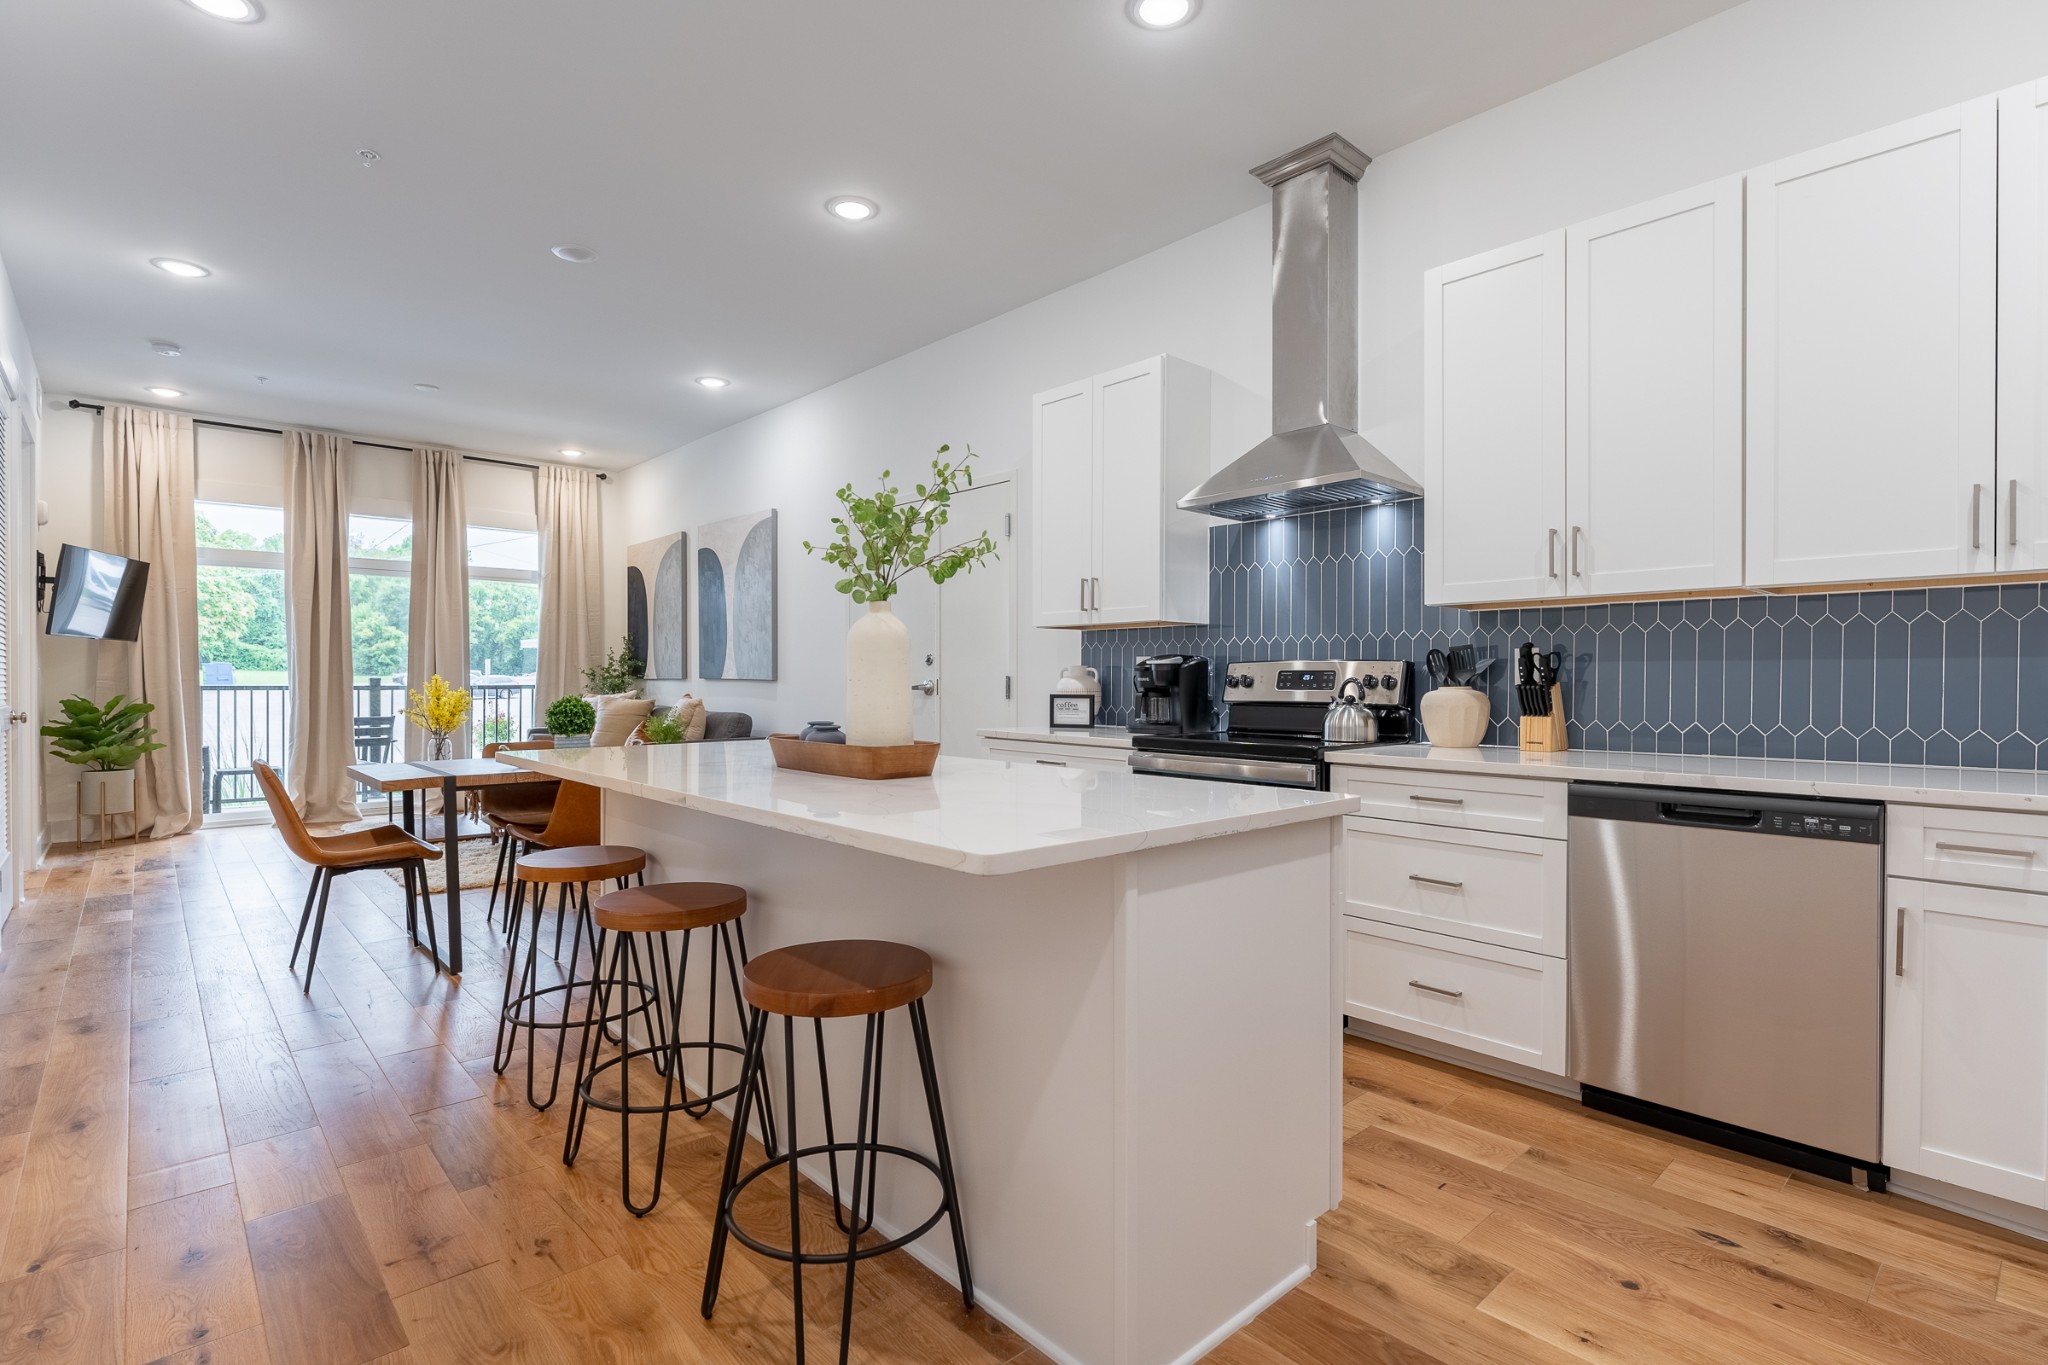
107, 793
1456, 717
878, 679
572, 741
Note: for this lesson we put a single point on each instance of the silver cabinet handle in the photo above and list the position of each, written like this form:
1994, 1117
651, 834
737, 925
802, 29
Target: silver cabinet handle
1437, 990
1084, 594
2012, 513
1095, 594
1051, 762
1435, 881
1993, 852
1437, 800
1577, 532
1899, 950
1976, 516
1552, 543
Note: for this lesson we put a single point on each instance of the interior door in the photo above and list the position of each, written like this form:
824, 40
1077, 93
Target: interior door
1653, 395
1063, 508
1873, 298
977, 632
1493, 425
2023, 328
11, 458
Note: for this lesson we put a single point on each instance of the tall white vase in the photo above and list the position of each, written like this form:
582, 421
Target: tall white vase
878, 679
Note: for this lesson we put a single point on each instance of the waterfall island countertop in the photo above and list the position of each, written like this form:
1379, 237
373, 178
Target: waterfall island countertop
972, 815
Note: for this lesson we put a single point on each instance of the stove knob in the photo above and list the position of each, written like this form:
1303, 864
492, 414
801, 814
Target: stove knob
1243, 680
1371, 683
1391, 683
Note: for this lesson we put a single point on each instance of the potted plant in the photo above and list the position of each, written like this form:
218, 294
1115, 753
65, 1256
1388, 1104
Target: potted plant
107, 741
439, 710
883, 539
619, 674
665, 727
570, 721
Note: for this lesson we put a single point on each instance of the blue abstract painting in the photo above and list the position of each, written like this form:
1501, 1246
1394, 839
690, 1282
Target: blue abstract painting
736, 598
656, 606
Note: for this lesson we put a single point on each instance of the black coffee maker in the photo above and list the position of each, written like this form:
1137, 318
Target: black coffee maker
1172, 695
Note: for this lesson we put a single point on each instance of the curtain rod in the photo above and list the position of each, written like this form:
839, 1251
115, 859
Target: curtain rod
374, 445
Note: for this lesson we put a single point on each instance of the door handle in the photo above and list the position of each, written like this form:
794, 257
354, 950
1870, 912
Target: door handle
1577, 533
1435, 881
930, 687
1551, 564
1437, 990
17, 717
1976, 516
1899, 948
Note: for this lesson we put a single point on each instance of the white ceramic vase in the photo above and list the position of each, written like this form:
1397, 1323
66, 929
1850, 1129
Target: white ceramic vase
106, 792
1456, 717
878, 679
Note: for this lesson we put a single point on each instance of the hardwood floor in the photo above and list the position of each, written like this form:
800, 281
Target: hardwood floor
201, 1165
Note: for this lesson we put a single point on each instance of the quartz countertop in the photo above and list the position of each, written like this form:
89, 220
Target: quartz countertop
1095, 736
973, 815
1972, 788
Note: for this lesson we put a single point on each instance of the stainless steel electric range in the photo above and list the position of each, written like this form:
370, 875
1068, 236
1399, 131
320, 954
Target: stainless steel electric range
1274, 730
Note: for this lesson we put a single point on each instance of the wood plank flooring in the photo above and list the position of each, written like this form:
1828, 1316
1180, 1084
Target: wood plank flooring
201, 1165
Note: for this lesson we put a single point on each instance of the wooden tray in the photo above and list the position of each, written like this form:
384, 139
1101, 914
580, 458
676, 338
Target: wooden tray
873, 762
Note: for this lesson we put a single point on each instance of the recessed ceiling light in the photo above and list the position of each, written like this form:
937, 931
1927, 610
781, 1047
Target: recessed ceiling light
852, 208
428, 388
575, 255
1163, 13
162, 392
367, 156
712, 381
572, 454
184, 270
167, 348
234, 11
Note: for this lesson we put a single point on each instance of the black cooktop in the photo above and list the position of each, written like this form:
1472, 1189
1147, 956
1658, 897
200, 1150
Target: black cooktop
1242, 744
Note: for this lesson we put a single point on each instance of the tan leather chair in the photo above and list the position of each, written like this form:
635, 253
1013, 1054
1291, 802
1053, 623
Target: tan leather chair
575, 822
377, 848
527, 804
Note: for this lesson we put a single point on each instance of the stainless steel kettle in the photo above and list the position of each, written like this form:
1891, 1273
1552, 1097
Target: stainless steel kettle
1347, 721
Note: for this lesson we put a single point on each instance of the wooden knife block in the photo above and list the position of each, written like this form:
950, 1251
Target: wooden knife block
1546, 734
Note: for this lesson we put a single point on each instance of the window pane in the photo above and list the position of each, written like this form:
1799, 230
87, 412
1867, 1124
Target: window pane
379, 537
378, 607
233, 526
504, 621
243, 703
493, 548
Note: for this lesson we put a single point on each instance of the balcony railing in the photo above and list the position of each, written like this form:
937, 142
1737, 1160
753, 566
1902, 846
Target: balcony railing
242, 724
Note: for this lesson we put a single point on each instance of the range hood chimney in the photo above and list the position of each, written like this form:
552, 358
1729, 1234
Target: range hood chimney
1316, 459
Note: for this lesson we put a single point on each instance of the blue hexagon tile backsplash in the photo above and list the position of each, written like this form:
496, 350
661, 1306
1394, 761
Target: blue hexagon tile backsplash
1926, 675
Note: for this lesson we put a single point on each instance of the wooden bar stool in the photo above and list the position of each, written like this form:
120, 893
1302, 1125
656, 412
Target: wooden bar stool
820, 981
651, 914
565, 869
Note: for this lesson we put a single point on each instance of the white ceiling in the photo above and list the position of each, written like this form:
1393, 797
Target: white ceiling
1015, 148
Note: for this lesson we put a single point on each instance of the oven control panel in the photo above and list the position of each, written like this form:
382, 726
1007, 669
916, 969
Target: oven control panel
1318, 681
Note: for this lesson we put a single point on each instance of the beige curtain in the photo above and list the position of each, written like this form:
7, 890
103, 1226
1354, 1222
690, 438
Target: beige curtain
437, 640
571, 579
317, 626
146, 469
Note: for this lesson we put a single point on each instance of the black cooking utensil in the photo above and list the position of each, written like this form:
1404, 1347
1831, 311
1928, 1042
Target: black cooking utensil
1439, 667
1460, 661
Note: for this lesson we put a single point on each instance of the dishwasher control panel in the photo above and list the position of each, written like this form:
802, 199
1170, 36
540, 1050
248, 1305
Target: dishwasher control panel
1832, 827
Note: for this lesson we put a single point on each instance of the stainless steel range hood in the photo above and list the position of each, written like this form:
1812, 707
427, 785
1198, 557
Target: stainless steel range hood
1316, 459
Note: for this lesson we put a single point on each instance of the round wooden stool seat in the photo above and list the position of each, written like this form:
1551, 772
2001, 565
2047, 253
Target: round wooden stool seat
838, 978
584, 863
669, 907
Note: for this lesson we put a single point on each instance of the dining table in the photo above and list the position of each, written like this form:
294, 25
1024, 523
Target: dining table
451, 776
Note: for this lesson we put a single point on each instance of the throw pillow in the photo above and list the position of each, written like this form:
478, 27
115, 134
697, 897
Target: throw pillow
616, 719
695, 718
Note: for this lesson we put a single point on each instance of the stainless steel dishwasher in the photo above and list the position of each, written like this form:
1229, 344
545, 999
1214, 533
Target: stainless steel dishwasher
1726, 968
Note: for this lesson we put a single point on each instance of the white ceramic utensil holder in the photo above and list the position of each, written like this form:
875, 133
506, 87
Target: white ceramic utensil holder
1456, 717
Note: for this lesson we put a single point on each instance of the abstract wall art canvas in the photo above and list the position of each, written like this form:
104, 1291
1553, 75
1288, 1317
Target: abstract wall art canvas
736, 598
657, 604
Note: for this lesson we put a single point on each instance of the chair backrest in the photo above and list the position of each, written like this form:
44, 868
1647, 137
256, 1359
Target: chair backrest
576, 820
374, 737
491, 749
289, 825
523, 797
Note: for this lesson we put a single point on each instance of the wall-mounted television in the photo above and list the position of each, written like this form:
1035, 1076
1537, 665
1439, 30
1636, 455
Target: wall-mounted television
96, 595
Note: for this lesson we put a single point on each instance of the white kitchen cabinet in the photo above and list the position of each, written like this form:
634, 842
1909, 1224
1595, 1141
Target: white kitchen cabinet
1495, 1001
1113, 457
1653, 396
1966, 1037
1051, 753
2022, 518
1493, 425
1871, 355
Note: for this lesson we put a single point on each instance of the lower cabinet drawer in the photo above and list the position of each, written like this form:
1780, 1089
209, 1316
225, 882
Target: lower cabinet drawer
1497, 1001
1504, 889
1056, 755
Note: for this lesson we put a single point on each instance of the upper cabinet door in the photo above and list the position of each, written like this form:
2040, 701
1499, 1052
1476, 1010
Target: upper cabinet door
1063, 503
2023, 328
1653, 396
1493, 425
1129, 441
1872, 373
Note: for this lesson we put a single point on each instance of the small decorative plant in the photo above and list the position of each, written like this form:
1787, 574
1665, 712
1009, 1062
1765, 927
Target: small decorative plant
665, 727
439, 710
102, 738
569, 716
620, 671
885, 537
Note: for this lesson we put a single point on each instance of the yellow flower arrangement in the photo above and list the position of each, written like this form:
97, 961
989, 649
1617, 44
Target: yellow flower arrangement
440, 710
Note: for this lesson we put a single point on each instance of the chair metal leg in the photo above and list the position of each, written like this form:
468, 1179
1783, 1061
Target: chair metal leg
508, 1032
796, 1236
870, 1094
419, 869
753, 1078
306, 914
920, 1027
319, 923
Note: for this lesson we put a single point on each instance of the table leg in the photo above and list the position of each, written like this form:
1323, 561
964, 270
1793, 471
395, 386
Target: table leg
405, 819
451, 831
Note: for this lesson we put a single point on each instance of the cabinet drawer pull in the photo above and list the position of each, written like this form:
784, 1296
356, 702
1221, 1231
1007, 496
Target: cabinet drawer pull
1437, 990
1051, 762
1435, 881
1986, 849
1437, 800
1899, 950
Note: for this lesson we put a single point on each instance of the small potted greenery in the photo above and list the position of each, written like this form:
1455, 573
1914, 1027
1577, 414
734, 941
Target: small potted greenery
107, 741
884, 538
618, 675
570, 721
665, 727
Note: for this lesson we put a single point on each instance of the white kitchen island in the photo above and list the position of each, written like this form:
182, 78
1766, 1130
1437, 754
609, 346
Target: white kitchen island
1135, 1013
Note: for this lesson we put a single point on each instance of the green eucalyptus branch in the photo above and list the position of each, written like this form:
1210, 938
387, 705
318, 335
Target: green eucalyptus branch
884, 537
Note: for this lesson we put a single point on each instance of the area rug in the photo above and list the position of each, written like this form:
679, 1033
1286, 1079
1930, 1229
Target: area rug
479, 860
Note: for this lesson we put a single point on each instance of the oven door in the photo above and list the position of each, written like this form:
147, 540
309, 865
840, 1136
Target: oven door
1264, 772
